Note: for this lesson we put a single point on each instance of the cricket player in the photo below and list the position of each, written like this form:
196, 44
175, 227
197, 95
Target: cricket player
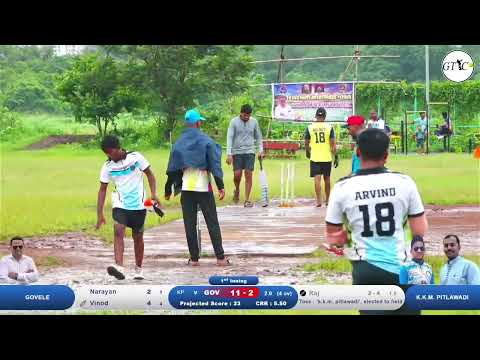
369, 211
243, 137
321, 148
125, 169
355, 125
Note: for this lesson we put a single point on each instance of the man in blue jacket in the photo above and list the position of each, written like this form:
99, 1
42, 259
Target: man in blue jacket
193, 159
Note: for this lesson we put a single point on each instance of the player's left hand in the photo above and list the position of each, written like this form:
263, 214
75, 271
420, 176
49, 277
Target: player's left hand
13, 275
155, 198
221, 194
337, 250
338, 238
336, 161
261, 155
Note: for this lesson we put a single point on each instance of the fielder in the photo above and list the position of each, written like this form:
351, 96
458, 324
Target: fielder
320, 146
374, 205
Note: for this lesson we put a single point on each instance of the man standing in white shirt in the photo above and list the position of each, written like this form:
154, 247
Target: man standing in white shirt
17, 268
377, 123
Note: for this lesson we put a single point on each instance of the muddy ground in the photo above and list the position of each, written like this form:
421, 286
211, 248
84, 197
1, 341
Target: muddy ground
273, 243
54, 140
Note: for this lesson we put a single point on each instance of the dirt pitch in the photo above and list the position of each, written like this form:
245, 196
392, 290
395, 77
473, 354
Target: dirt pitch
273, 243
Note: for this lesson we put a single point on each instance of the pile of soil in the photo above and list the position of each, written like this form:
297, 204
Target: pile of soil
53, 140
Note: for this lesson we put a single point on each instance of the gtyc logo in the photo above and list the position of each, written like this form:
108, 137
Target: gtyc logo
457, 66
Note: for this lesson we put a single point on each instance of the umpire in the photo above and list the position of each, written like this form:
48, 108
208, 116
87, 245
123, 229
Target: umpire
193, 159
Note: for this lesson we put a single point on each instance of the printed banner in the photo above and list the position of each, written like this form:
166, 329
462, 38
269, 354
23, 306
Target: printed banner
298, 102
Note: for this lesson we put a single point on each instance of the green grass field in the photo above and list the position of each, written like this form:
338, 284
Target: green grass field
327, 262
54, 190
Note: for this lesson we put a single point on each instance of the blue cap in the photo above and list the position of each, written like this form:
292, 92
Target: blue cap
192, 116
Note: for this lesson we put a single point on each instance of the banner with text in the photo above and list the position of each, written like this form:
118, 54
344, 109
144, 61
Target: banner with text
298, 102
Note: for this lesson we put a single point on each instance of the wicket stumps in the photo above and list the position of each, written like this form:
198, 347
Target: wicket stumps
287, 185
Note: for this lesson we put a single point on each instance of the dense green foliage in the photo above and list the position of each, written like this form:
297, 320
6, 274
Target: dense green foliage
175, 78
98, 89
27, 78
157, 83
409, 67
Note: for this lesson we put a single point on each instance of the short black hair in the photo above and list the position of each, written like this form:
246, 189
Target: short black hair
373, 144
110, 142
417, 238
15, 238
452, 236
247, 109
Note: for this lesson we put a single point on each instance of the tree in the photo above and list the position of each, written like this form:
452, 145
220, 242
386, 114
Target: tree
27, 78
98, 90
178, 77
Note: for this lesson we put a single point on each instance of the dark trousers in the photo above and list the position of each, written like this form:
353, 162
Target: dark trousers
190, 200
364, 273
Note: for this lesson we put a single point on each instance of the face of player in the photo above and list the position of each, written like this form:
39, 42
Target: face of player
422, 115
451, 248
418, 250
114, 154
245, 116
373, 115
353, 130
17, 248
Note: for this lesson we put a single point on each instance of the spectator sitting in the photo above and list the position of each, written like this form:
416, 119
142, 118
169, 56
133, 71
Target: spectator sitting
445, 129
17, 268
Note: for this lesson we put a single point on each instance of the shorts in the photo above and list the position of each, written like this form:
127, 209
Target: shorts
420, 143
134, 219
364, 273
320, 168
243, 162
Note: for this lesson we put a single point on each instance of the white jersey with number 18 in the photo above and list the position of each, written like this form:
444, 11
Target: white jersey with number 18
374, 205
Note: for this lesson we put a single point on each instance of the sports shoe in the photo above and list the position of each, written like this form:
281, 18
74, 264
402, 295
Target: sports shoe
138, 273
117, 271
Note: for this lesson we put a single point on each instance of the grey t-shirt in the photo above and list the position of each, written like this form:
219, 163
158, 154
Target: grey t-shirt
244, 136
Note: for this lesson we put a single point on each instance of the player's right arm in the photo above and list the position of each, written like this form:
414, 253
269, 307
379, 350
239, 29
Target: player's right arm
230, 135
307, 143
102, 193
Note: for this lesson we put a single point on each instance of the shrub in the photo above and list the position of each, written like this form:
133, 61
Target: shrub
9, 122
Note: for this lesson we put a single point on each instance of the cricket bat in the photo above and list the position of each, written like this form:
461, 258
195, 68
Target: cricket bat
263, 185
